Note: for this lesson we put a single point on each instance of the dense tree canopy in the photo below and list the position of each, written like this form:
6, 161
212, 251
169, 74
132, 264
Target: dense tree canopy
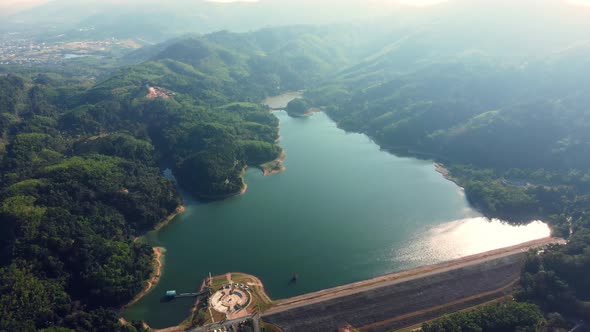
506, 316
553, 278
81, 170
298, 107
81, 162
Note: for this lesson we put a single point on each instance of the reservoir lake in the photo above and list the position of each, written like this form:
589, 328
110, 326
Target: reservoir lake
343, 211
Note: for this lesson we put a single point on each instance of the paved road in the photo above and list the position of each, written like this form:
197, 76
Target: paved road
228, 323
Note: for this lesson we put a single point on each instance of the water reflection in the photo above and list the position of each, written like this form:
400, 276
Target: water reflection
465, 237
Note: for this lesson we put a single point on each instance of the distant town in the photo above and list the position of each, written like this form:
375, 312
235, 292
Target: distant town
16, 49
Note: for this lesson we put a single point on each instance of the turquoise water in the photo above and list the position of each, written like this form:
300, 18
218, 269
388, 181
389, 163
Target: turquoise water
343, 211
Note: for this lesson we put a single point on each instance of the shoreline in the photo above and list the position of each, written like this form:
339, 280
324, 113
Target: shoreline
275, 166
355, 287
312, 111
286, 95
242, 191
180, 209
245, 185
212, 198
158, 263
440, 168
159, 251
256, 280
284, 304
154, 278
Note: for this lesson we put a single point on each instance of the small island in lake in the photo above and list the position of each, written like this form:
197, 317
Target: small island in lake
299, 107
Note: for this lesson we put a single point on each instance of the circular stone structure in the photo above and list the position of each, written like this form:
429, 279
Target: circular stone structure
230, 299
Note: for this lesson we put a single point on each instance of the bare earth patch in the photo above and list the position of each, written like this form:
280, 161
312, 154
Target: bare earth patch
157, 92
180, 209
153, 280
274, 167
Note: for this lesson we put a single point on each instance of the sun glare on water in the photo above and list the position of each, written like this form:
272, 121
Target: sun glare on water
468, 236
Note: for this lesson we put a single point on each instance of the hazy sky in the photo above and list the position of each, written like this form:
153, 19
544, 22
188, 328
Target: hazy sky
6, 3
18, 4
407, 2
410, 2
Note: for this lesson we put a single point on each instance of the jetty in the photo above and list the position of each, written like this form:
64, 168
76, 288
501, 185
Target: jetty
172, 294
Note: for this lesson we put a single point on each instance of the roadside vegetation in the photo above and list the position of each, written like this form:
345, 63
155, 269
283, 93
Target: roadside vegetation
504, 316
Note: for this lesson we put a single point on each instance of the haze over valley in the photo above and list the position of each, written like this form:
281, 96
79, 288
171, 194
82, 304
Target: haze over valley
237, 165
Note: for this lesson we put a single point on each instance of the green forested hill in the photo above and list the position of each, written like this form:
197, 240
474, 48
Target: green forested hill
81, 162
525, 124
69, 213
509, 121
210, 125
